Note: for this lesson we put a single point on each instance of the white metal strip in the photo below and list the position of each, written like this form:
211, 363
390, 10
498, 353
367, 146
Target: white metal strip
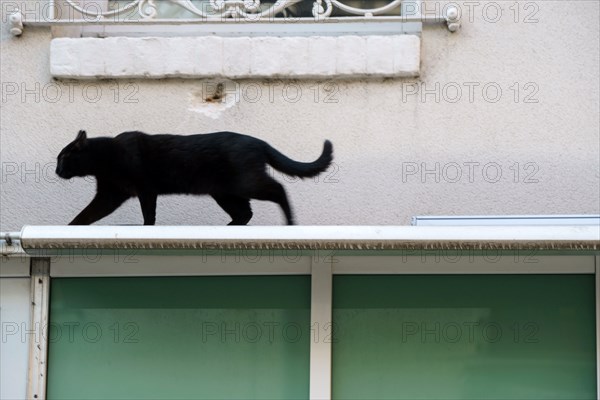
254, 30
512, 220
322, 331
127, 263
310, 237
437, 262
38, 347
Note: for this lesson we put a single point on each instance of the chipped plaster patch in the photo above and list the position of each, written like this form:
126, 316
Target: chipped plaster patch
213, 98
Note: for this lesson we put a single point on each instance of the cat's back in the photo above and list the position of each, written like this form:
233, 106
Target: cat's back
130, 140
140, 142
211, 142
211, 146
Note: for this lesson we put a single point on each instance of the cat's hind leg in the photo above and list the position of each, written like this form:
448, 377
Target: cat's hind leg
237, 207
269, 189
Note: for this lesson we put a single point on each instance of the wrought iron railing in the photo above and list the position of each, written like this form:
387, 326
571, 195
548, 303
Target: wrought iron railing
246, 9
181, 12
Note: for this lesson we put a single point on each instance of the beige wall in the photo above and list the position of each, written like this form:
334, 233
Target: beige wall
378, 128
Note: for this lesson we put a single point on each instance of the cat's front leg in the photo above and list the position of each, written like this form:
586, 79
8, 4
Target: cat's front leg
148, 203
102, 205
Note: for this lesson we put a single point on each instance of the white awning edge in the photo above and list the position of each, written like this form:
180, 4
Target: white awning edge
311, 237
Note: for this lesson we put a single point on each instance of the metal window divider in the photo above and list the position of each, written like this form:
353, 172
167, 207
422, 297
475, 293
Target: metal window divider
321, 328
38, 346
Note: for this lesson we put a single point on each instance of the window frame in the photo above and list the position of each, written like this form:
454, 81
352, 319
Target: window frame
321, 252
321, 268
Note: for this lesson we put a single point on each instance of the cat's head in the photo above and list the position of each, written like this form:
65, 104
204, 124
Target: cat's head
74, 159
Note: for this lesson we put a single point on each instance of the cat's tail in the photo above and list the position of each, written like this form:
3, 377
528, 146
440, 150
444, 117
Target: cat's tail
302, 170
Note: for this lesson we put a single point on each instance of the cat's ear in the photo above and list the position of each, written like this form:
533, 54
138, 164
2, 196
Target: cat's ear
81, 136
80, 139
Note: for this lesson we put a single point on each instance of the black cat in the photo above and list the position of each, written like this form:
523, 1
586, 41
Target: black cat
228, 166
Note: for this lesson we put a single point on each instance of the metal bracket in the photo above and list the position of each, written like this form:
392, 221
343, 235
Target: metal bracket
453, 19
10, 245
16, 23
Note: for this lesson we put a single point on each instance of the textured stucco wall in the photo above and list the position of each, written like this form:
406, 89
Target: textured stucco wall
381, 132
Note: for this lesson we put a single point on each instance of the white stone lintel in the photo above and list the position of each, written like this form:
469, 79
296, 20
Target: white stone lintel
236, 58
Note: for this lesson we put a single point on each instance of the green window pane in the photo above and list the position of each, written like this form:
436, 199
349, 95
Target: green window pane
179, 338
464, 337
